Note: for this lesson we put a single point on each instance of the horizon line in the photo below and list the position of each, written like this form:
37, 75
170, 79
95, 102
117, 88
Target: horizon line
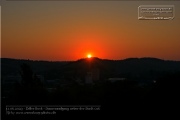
87, 58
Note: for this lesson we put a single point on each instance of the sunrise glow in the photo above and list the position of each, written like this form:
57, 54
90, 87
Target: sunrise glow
89, 56
70, 31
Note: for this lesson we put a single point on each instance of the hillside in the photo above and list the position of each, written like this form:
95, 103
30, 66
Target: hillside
143, 67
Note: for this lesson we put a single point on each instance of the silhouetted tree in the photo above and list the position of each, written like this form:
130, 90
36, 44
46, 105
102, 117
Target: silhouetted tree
30, 89
26, 75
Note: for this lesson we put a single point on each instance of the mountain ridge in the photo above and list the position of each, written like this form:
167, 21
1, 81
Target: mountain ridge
130, 58
108, 68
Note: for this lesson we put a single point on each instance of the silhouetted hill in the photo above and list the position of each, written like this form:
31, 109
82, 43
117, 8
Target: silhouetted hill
148, 85
134, 66
131, 67
12, 66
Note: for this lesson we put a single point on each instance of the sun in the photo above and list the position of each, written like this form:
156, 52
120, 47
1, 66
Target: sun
89, 55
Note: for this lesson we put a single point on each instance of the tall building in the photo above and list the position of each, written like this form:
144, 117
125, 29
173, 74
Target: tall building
92, 76
88, 79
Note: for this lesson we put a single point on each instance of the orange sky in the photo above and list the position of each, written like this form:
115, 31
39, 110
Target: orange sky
70, 30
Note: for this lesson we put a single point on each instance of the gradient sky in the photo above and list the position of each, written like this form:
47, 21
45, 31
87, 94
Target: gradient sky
67, 30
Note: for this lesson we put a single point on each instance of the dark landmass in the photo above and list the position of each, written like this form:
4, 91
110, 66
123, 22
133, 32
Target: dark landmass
115, 85
147, 67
